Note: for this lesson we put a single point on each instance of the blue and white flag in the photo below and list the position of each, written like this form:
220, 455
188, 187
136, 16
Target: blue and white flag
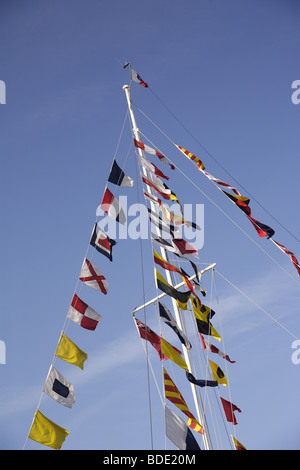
58, 388
178, 432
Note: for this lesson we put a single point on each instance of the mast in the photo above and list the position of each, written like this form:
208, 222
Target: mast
195, 392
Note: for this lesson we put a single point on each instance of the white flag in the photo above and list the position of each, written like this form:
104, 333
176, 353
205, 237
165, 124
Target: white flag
178, 432
58, 388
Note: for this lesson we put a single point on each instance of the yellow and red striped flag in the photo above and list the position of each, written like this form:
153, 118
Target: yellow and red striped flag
192, 157
173, 394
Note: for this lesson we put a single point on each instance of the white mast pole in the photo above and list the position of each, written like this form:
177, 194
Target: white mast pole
198, 405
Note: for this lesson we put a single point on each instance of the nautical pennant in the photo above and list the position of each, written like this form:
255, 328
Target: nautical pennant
178, 220
163, 243
112, 207
102, 242
169, 215
168, 318
164, 191
210, 347
46, 432
158, 222
92, 277
167, 246
203, 315
161, 188
163, 347
180, 297
241, 201
217, 373
178, 432
290, 254
151, 167
173, 394
136, 77
69, 352
262, 229
229, 409
58, 388
201, 382
149, 335
165, 210
164, 264
152, 151
118, 177
192, 157
237, 444
221, 183
80, 313
184, 247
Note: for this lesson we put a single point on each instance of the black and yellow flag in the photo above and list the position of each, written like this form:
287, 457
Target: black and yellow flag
203, 314
180, 297
217, 373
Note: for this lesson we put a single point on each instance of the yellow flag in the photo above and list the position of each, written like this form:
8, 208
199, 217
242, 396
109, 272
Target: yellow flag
237, 444
172, 354
46, 432
217, 373
202, 314
69, 352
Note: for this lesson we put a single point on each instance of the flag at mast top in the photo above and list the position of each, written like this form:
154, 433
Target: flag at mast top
135, 76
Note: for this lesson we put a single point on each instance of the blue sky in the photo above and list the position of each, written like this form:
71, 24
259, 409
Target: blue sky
225, 70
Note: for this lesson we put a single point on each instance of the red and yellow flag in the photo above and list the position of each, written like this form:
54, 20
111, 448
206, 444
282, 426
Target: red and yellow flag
192, 157
173, 394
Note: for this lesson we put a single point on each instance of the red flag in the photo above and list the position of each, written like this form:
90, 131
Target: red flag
229, 409
149, 335
184, 247
262, 229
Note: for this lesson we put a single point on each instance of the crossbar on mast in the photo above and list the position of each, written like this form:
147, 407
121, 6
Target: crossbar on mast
160, 296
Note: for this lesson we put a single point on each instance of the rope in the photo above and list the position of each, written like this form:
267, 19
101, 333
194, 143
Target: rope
219, 208
258, 306
67, 320
218, 163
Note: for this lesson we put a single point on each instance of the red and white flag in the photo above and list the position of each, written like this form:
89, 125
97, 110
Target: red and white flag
151, 167
221, 183
112, 207
210, 347
290, 254
184, 247
136, 77
92, 277
152, 151
80, 313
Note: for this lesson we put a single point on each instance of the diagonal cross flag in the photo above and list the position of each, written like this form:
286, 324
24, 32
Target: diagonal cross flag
92, 277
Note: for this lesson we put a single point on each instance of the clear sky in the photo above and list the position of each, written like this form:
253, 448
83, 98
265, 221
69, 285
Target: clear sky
225, 70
